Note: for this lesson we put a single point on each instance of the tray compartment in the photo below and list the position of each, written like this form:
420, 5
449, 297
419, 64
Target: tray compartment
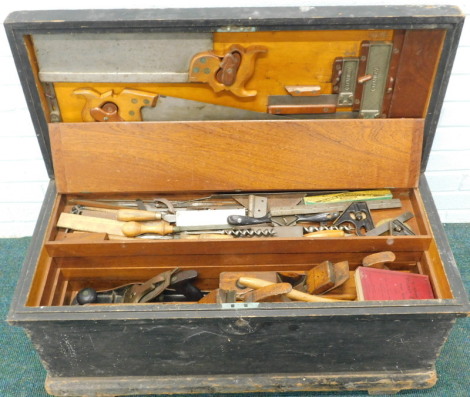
69, 275
67, 265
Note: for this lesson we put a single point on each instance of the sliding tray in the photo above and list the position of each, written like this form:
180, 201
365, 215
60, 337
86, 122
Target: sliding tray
128, 104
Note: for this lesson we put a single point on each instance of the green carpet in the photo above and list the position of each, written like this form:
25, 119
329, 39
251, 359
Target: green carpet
21, 373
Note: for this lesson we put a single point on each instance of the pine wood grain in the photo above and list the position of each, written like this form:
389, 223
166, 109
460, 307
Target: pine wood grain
235, 155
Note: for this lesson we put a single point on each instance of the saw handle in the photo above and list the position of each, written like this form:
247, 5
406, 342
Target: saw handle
126, 215
133, 229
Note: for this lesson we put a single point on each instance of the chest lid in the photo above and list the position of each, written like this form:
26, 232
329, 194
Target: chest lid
235, 99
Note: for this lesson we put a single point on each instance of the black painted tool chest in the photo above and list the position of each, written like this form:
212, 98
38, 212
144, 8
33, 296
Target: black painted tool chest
184, 104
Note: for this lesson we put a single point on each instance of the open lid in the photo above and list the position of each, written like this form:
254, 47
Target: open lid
274, 65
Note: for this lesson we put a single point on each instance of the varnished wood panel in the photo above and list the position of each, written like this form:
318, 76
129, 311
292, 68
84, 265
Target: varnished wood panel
231, 155
415, 76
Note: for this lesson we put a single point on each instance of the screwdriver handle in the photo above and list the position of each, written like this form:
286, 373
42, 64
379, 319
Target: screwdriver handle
138, 215
132, 229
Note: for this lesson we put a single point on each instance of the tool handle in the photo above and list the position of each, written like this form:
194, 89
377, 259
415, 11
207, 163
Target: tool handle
257, 283
138, 215
240, 220
86, 296
323, 217
132, 229
326, 233
379, 259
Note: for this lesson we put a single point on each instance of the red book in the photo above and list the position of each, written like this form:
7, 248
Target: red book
379, 284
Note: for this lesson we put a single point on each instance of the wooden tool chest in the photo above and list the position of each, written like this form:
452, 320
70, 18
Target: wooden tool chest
191, 106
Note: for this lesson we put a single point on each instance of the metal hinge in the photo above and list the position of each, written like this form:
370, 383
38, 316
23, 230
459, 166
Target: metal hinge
236, 29
240, 305
54, 110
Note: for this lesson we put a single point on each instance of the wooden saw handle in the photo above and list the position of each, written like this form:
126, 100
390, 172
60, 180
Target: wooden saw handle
256, 283
138, 215
132, 229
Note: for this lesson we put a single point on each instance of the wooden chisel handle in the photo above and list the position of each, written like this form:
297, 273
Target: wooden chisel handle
138, 215
256, 283
132, 229
326, 233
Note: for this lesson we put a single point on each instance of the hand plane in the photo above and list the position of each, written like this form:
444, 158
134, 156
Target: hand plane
172, 282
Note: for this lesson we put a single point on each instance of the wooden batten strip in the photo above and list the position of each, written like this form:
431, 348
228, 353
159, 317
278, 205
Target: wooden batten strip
238, 246
231, 155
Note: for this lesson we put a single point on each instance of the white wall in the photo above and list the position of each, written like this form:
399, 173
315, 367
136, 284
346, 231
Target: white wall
23, 178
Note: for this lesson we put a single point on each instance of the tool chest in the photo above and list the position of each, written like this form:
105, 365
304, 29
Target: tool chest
266, 112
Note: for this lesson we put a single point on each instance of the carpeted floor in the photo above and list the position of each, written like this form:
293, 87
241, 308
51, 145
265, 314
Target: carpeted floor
21, 373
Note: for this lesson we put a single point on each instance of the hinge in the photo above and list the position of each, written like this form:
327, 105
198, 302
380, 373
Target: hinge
240, 305
236, 29
54, 110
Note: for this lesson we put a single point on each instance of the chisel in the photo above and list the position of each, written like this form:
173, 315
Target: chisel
181, 218
128, 229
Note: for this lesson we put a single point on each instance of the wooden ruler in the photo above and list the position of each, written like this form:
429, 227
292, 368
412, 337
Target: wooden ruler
360, 195
90, 224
